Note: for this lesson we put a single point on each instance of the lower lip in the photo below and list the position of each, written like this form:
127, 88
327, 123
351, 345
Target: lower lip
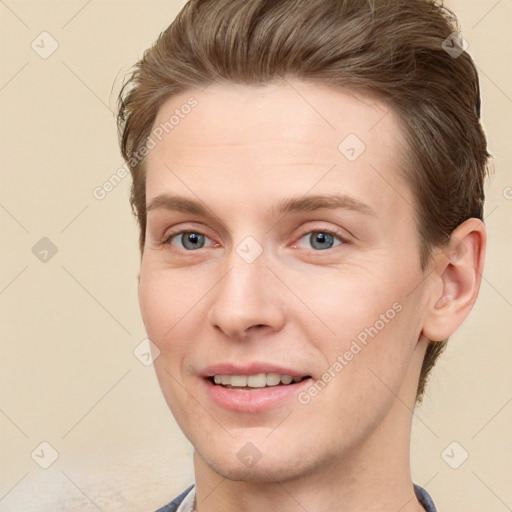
256, 399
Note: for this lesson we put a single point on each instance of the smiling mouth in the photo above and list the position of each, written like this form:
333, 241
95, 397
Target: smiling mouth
258, 381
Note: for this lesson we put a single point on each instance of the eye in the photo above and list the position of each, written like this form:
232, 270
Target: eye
187, 240
322, 239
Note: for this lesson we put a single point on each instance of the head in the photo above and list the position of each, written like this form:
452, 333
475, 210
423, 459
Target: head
239, 106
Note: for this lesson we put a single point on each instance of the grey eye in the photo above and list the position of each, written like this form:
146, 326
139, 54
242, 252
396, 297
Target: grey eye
321, 240
191, 240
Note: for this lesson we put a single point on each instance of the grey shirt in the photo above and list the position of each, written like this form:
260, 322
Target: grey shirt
186, 500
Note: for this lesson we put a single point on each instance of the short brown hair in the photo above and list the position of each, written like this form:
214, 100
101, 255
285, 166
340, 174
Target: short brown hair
397, 50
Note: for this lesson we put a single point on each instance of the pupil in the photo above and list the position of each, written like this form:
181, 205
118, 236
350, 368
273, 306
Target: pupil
192, 240
321, 238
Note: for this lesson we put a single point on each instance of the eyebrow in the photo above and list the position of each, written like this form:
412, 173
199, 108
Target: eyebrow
318, 202
284, 207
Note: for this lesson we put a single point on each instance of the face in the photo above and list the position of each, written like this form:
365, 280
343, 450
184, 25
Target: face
281, 246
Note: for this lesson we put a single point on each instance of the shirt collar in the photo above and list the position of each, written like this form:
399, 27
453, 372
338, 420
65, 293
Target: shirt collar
187, 505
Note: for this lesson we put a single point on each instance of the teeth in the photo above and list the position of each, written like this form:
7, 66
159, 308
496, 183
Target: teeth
273, 379
240, 381
260, 380
255, 381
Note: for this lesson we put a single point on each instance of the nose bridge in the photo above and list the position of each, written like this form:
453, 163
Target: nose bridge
248, 294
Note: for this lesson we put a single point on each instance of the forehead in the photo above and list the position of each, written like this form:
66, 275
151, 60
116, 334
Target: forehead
289, 133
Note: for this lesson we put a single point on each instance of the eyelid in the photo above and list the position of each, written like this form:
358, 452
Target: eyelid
170, 235
330, 231
324, 226
166, 239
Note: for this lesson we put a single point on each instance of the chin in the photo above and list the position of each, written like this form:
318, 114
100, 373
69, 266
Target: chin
279, 468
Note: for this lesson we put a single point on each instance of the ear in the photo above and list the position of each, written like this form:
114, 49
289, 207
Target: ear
458, 272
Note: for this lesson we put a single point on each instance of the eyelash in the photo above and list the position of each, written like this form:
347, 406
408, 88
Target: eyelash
168, 239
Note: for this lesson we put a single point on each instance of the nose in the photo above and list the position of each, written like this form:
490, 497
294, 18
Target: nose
248, 300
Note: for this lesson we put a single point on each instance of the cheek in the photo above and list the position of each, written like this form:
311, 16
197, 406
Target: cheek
162, 307
373, 323
173, 309
165, 312
152, 302
349, 306
367, 366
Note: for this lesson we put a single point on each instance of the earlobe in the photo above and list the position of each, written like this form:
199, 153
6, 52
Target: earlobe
459, 268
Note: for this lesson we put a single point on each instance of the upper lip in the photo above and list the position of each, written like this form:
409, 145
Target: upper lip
250, 369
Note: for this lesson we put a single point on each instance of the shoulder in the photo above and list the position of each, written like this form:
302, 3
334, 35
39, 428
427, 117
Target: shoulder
175, 503
422, 495
424, 498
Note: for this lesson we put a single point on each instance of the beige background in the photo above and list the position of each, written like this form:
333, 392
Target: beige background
70, 325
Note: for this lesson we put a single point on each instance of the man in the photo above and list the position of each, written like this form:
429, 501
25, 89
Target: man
308, 179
